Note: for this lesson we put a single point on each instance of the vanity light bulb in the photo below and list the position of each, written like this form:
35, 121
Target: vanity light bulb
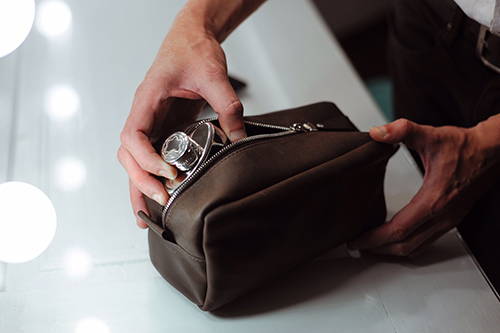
91, 325
54, 18
16, 20
27, 222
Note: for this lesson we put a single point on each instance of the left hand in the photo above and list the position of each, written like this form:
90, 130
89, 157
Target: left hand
458, 170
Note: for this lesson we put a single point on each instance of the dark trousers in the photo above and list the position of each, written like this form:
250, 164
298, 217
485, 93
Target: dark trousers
439, 80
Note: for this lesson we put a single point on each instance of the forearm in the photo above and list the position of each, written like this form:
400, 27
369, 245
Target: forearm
217, 18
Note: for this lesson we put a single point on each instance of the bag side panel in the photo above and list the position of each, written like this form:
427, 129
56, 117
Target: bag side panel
249, 241
248, 170
183, 271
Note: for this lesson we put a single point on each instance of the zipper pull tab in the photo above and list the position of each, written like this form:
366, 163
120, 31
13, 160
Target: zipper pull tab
305, 127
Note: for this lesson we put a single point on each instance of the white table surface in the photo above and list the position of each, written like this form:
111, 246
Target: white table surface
287, 56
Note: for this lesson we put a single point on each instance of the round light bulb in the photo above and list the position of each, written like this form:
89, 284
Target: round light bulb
16, 20
62, 102
77, 263
27, 222
53, 18
70, 174
91, 325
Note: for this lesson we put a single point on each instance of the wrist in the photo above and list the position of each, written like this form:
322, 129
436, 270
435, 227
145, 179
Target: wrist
486, 135
202, 18
216, 18
193, 21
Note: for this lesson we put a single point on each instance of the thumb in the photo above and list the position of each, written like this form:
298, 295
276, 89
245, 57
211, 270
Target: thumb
223, 99
400, 131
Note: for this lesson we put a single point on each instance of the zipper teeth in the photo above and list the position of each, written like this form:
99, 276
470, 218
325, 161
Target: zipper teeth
204, 165
254, 123
267, 126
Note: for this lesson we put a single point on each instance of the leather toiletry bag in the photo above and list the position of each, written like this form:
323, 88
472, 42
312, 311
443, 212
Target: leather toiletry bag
304, 181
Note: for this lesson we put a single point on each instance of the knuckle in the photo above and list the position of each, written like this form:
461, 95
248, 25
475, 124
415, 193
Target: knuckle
399, 234
140, 90
119, 154
125, 137
215, 70
151, 89
406, 125
235, 108
435, 139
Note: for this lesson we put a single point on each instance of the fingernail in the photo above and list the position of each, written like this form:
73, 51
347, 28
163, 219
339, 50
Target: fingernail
382, 131
237, 135
170, 173
159, 198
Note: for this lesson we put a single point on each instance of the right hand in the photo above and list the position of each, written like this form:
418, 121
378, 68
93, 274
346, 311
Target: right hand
191, 66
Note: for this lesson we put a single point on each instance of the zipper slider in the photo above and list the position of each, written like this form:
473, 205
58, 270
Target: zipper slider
305, 127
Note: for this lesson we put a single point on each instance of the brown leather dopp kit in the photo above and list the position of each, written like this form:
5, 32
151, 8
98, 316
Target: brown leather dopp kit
269, 205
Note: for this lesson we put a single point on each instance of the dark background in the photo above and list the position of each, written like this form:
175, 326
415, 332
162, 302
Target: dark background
361, 28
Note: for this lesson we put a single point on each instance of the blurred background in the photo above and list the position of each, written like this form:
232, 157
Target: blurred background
68, 72
64, 96
66, 91
361, 25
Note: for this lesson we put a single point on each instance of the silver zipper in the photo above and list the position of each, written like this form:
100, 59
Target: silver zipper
293, 129
254, 123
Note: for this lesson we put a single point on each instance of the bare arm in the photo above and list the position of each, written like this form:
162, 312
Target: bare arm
217, 18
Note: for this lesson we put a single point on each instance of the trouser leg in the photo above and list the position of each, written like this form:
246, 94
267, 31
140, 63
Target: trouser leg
438, 80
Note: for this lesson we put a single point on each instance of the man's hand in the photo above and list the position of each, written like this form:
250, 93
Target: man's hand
459, 163
190, 65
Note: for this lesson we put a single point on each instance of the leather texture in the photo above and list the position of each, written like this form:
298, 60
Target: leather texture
269, 206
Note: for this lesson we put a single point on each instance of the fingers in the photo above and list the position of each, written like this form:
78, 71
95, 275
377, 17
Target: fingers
407, 220
402, 131
139, 146
140, 122
138, 204
423, 236
223, 99
141, 179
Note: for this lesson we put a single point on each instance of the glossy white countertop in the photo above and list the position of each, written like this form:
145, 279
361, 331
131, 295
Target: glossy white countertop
96, 275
